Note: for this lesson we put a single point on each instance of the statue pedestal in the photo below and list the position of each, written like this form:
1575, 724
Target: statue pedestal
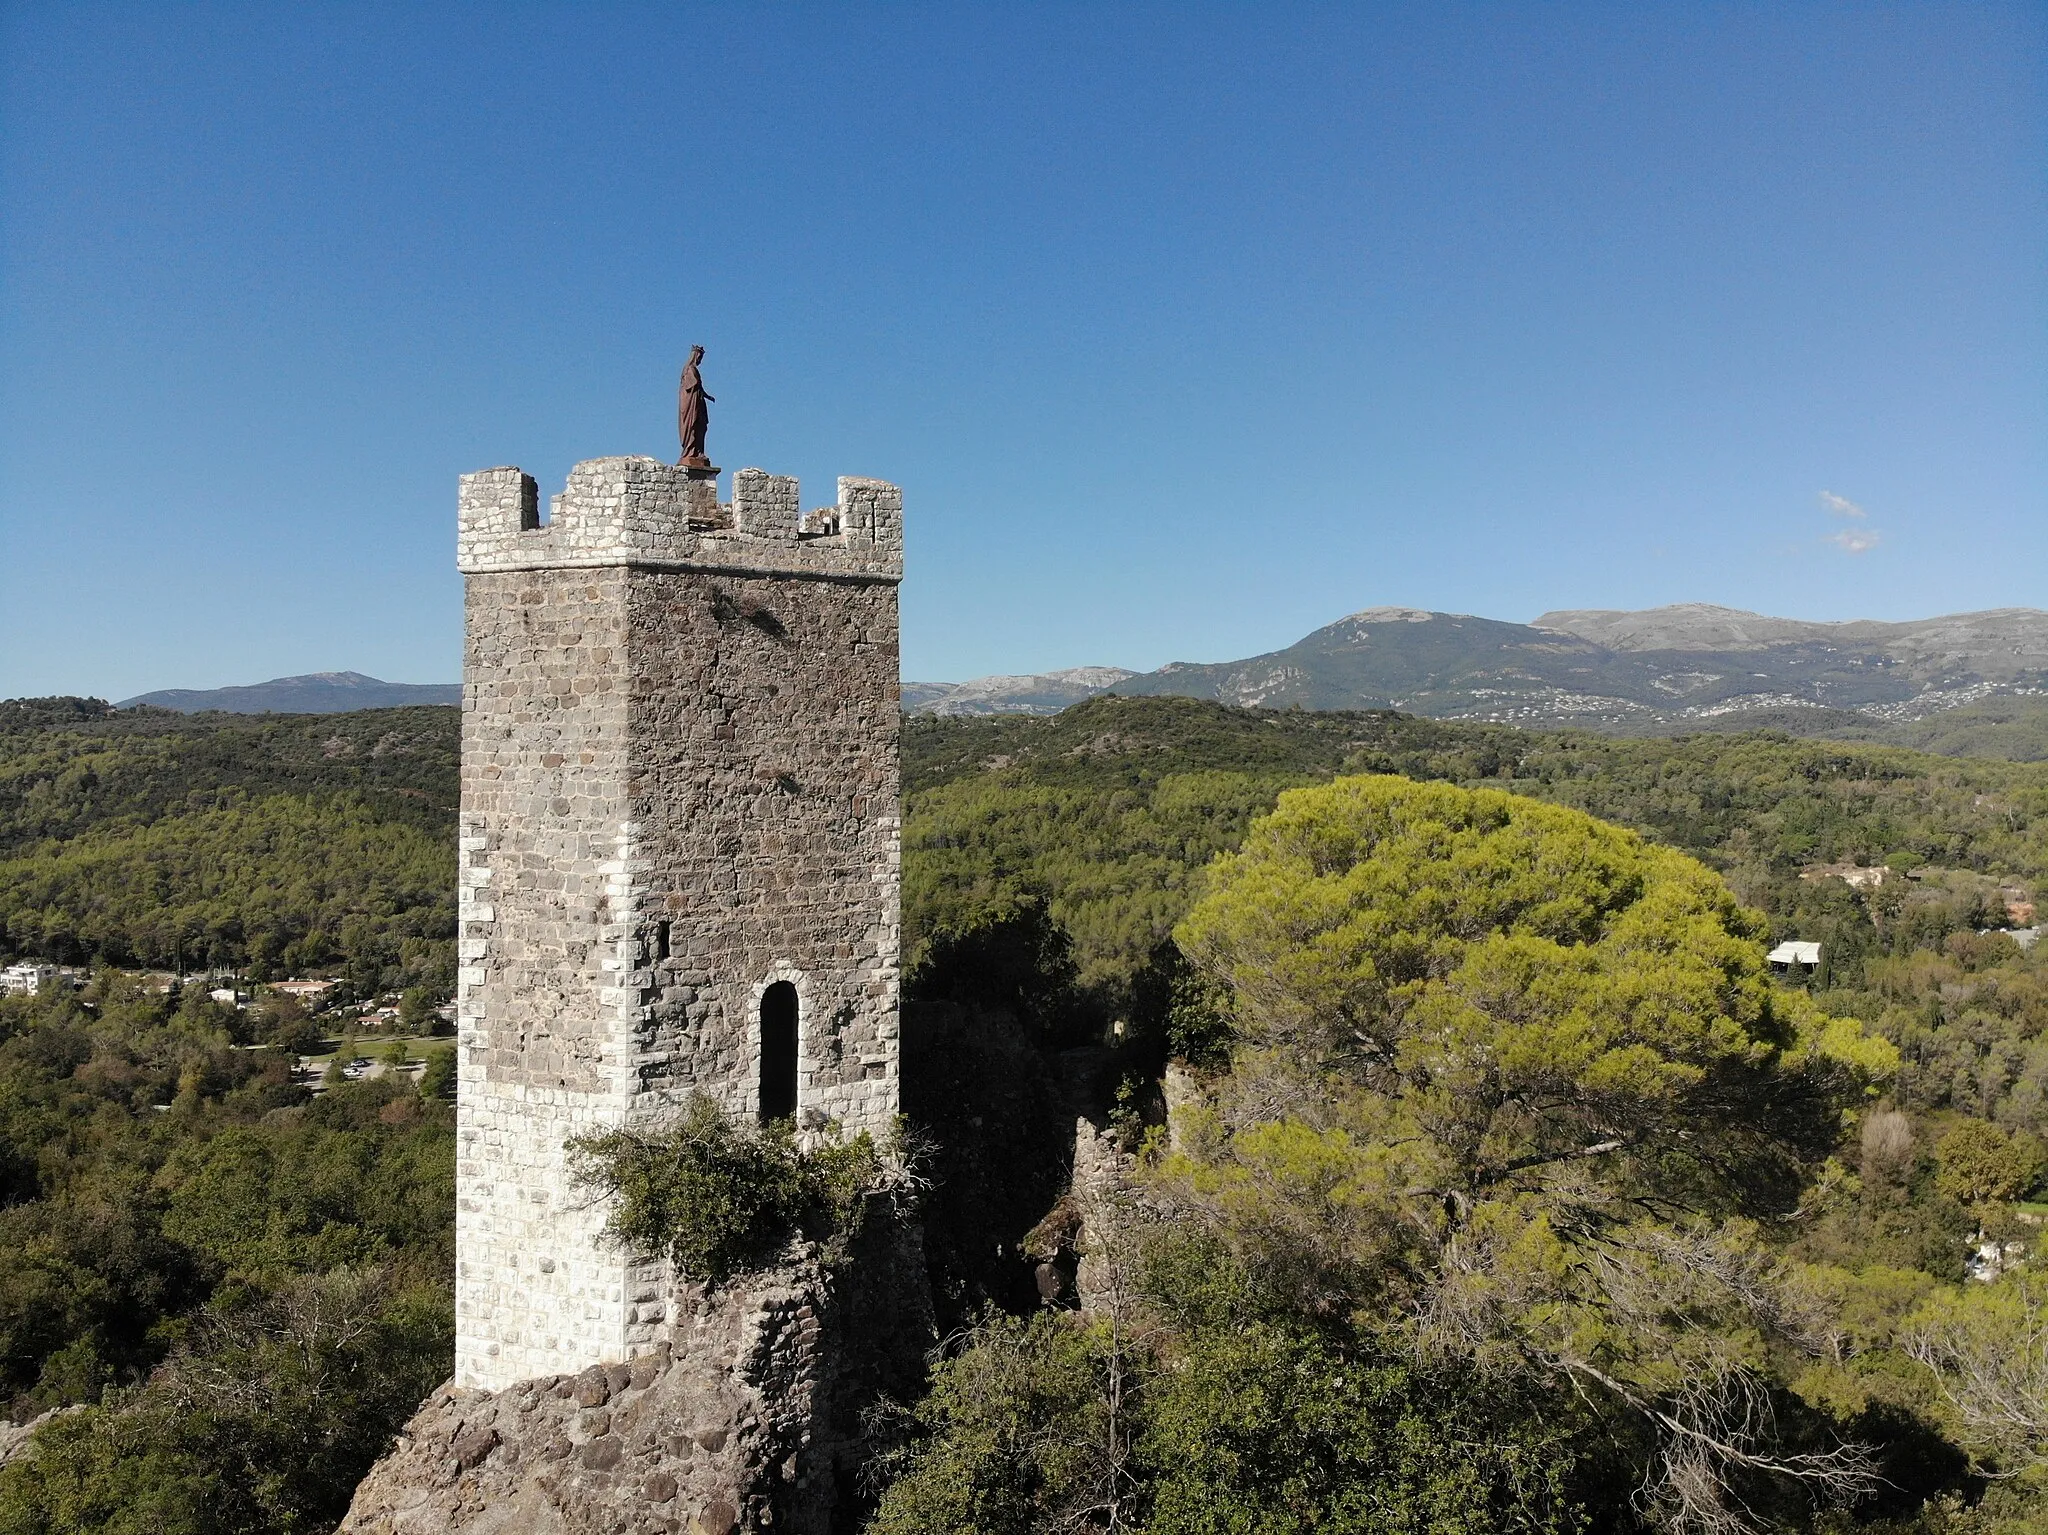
699, 468
700, 495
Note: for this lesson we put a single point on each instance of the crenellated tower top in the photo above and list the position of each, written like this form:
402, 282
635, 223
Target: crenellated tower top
644, 513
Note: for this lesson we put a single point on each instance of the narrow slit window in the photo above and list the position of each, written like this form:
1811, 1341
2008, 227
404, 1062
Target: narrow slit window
778, 1052
660, 941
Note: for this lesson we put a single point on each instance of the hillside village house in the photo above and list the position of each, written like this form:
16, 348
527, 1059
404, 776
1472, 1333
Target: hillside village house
1794, 959
305, 991
25, 980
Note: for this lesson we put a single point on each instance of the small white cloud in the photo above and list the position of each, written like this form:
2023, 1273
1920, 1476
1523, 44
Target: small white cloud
1859, 537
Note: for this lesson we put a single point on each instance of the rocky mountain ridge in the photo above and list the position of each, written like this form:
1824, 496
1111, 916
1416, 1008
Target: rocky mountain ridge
1997, 641
1037, 693
1688, 667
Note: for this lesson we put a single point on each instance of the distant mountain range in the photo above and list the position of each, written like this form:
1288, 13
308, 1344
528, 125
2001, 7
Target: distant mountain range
315, 693
1688, 667
1042, 693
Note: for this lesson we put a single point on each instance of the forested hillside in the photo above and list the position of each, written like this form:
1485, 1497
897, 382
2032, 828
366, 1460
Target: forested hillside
279, 844
254, 1286
296, 842
1493, 1135
1110, 809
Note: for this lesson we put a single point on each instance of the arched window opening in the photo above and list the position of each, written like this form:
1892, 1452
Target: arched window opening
778, 1052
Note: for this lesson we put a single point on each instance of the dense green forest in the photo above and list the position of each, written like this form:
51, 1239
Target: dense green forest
2015, 728
1111, 810
253, 1285
187, 1227
279, 844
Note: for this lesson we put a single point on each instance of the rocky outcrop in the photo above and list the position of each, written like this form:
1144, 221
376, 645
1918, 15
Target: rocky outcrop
18, 1439
1038, 693
749, 1418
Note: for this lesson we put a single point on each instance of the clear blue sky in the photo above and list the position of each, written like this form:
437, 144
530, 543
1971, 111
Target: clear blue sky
1185, 330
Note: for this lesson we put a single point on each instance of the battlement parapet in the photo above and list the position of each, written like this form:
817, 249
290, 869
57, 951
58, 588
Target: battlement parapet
764, 505
642, 512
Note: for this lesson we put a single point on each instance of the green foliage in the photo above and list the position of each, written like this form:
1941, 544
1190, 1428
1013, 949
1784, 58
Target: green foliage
1505, 1076
719, 1198
1011, 958
1987, 1347
247, 1289
2015, 728
287, 881
1118, 867
1514, 991
416, 1008
1981, 1164
1168, 1422
62, 774
1170, 1004
437, 1078
1110, 811
266, 1423
284, 1024
169, 1201
1272, 1429
1009, 1435
1620, 1267
35, 714
1968, 1016
282, 843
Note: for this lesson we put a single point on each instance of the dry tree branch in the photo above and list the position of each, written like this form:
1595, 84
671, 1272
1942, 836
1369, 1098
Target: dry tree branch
1712, 1430
1995, 1377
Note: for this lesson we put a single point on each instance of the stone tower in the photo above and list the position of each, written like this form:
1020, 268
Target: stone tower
679, 858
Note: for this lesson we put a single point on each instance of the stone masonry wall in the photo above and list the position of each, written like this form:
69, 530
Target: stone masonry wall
639, 511
768, 822
680, 785
545, 915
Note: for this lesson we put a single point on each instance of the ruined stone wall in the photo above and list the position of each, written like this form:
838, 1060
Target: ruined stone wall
679, 786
